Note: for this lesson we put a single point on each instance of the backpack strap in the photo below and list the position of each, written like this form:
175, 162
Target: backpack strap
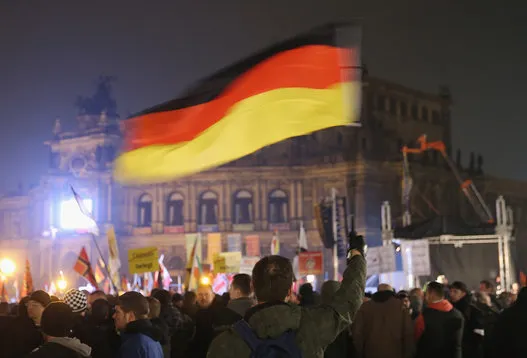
247, 334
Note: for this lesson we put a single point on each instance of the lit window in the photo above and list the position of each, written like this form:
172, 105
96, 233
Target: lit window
278, 207
242, 207
208, 209
144, 211
174, 210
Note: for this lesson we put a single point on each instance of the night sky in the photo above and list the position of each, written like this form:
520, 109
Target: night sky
51, 51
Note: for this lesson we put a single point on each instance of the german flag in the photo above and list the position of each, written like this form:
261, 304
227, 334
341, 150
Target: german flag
293, 88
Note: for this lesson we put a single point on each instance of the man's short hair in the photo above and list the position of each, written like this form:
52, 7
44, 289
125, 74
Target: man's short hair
458, 285
154, 306
242, 282
436, 288
134, 302
272, 278
487, 284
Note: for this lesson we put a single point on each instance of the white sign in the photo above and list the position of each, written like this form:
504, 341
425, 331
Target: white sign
380, 259
416, 257
247, 264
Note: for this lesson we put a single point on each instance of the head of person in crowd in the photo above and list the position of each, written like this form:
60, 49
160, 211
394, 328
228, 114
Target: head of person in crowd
417, 292
190, 303
486, 287
404, 297
36, 304
154, 291
154, 307
131, 306
21, 310
328, 290
240, 286
57, 322
77, 300
506, 299
177, 300
272, 279
205, 296
163, 296
483, 298
458, 291
96, 295
307, 295
100, 311
384, 287
54, 298
435, 292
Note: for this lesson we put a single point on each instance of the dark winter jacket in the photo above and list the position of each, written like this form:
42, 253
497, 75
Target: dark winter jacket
225, 317
315, 327
474, 328
439, 331
508, 338
383, 319
165, 335
25, 337
102, 338
63, 347
141, 340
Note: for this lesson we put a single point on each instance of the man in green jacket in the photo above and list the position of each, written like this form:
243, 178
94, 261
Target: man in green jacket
315, 328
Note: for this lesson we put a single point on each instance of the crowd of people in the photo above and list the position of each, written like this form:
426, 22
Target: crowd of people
261, 316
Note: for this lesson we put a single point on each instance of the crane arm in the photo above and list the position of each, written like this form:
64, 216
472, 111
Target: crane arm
467, 186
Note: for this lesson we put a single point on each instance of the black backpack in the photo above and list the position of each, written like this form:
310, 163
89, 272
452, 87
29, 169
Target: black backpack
284, 346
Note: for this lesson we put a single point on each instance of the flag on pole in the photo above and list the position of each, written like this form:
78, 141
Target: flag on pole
114, 262
163, 277
275, 244
99, 274
83, 268
193, 268
85, 211
27, 282
302, 238
3, 292
291, 89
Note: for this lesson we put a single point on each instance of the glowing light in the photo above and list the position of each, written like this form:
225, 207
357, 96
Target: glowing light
398, 248
62, 284
71, 216
205, 280
7, 267
310, 278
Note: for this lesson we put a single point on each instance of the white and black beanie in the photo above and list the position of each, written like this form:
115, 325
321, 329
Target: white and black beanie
76, 300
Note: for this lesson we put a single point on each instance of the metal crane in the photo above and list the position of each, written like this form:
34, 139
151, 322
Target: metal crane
467, 186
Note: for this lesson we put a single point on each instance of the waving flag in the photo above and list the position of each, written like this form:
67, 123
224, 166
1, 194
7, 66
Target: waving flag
83, 268
114, 262
293, 88
94, 229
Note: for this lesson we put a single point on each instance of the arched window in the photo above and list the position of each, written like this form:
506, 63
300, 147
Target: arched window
144, 211
208, 209
242, 207
278, 207
174, 210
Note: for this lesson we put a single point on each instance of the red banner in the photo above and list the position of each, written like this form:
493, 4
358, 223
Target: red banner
310, 263
252, 247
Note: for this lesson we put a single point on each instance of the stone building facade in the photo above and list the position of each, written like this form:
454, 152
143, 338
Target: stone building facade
275, 188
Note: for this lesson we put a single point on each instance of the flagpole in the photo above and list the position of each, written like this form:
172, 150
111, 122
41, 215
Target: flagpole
104, 262
335, 234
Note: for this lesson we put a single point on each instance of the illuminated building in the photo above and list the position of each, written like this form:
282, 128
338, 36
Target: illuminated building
273, 189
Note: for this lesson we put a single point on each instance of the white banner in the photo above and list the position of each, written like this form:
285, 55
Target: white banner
247, 264
416, 257
380, 259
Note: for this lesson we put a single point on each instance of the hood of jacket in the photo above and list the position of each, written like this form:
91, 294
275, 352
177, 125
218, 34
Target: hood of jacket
72, 343
382, 296
241, 305
443, 306
143, 326
270, 320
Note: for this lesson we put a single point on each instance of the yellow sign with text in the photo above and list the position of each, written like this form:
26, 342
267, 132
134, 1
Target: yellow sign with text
143, 260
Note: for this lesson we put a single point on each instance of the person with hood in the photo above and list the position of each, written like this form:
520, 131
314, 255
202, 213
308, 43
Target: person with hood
56, 324
303, 331
439, 328
474, 326
341, 346
139, 338
383, 319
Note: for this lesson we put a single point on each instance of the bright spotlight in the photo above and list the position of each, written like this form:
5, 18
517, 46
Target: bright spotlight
310, 278
7, 267
62, 284
205, 280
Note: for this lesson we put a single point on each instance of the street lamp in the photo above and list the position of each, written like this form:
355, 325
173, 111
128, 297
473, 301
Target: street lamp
7, 267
